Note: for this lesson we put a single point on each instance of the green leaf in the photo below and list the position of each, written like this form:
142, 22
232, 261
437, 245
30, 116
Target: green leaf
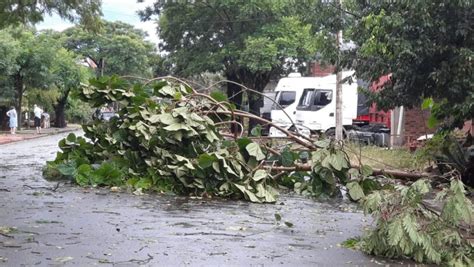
395, 232
323, 143
256, 131
243, 142
355, 191
83, 175
289, 224
218, 96
287, 158
254, 150
277, 217
432, 121
427, 103
369, 185
259, 175
177, 127
366, 170
67, 169
337, 161
352, 243
71, 137
143, 183
206, 160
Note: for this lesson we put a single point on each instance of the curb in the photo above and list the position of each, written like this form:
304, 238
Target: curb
35, 136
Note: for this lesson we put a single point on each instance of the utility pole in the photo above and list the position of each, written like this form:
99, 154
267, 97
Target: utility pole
339, 135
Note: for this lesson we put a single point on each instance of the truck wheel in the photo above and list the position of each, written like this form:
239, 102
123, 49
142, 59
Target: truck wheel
381, 139
331, 133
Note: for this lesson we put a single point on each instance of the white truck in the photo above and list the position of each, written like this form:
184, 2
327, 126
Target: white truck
309, 105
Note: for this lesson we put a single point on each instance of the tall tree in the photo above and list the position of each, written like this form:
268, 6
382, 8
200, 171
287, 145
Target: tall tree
31, 58
249, 41
118, 48
9, 52
426, 47
86, 12
68, 75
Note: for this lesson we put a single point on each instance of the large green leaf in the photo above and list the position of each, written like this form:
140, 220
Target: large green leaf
259, 175
323, 143
243, 142
366, 170
206, 160
287, 157
355, 190
337, 161
254, 150
67, 169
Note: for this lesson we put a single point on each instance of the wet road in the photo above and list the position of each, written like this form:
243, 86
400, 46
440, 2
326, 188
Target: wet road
83, 227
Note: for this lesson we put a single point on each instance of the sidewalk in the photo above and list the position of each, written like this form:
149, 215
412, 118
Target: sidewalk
25, 134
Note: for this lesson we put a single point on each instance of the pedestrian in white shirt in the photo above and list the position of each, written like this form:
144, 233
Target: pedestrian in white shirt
38, 111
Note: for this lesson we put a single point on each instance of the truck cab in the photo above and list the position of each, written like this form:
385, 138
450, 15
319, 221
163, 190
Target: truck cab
316, 109
288, 93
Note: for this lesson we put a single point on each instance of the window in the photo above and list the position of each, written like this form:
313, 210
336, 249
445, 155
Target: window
322, 98
286, 98
305, 99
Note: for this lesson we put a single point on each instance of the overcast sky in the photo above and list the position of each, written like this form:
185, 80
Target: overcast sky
113, 10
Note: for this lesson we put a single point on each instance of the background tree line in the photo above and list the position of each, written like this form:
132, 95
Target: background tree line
426, 46
46, 66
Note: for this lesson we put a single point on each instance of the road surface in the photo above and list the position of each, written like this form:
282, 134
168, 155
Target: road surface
42, 225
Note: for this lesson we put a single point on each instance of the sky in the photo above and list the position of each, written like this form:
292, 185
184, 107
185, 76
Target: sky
113, 10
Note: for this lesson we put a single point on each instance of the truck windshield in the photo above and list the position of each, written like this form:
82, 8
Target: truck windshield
285, 98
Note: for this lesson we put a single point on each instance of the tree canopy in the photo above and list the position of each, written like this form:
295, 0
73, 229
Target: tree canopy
248, 41
14, 12
33, 62
118, 48
426, 47
27, 60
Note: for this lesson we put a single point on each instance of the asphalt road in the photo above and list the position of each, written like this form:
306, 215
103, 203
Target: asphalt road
41, 225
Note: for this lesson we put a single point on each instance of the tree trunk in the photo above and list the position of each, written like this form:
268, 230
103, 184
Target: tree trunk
59, 117
18, 84
234, 93
255, 81
59, 111
252, 80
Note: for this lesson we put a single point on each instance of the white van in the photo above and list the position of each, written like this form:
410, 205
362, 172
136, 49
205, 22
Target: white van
314, 106
288, 92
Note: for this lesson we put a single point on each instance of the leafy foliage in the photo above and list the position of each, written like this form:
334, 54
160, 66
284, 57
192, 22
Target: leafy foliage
119, 49
248, 41
450, 152
405, 224
26, 12
426, 51
163, 139
330, 170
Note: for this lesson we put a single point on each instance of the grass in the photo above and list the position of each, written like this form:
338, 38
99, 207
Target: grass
383, 158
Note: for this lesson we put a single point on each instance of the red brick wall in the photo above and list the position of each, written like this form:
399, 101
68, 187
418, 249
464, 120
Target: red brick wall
316, 70
416, 124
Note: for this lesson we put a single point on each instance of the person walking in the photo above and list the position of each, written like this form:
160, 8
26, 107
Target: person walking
13, 119
37, 111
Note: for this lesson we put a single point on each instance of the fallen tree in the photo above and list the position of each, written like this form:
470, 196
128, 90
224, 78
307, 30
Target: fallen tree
168, 137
